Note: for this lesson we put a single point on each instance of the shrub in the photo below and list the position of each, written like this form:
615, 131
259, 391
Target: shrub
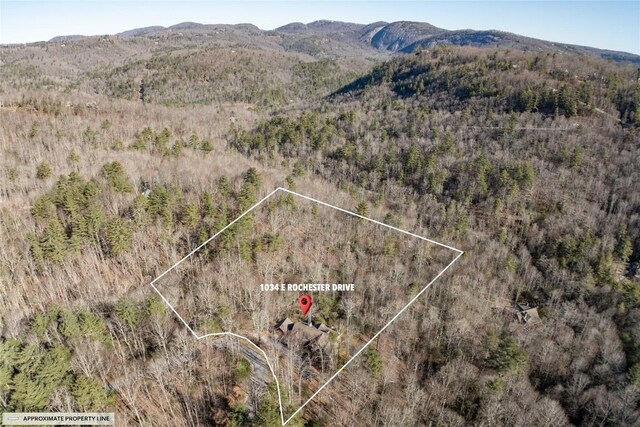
206, 146
374, 361
43, 170
243, 369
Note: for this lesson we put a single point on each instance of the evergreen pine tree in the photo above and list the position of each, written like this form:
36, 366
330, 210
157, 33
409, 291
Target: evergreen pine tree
224, 186
362, 209
36, 249
53, 242
92, 326
68, 324
415, 160
93, 222
155, 308
118, 236
189, 216
252, 177
207, 205
247, 197
127, 311
623, 247
117, 178
43, 208
90, 395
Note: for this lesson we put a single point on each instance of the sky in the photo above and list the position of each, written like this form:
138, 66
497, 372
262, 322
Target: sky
611, 24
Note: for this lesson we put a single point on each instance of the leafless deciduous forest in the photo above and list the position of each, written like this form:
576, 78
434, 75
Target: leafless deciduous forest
289, 240
528, 161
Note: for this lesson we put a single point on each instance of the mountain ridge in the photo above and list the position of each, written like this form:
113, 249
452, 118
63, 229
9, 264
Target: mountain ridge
385, 37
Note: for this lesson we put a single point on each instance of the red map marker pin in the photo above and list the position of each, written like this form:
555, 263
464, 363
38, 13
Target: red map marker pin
305, 302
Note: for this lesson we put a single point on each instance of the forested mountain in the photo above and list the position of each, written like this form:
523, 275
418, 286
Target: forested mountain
501, 148
323, 37
525, 158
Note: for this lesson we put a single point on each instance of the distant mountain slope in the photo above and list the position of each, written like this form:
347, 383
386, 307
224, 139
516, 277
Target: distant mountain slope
328, 39
322, 26
70, 37
141, 31
408, 37
502, 39
186, 26
398, 35
382, 36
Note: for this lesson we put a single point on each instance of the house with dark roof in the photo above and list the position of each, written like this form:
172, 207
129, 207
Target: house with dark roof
527, 314
312, 336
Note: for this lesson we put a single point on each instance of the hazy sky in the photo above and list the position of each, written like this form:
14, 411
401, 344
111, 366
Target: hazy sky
612, 24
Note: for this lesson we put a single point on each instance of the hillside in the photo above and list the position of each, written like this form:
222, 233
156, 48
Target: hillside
527, 159
219, 63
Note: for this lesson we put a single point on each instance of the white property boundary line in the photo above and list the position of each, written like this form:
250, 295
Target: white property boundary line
199, 337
